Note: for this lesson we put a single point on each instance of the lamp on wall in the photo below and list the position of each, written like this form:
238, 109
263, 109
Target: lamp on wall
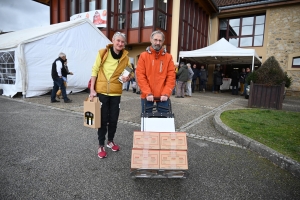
165, 1
132, 0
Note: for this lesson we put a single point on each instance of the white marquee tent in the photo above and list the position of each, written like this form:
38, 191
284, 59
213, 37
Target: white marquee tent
222, 52
26, 56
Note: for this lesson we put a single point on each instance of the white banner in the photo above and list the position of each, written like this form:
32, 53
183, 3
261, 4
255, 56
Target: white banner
98, 17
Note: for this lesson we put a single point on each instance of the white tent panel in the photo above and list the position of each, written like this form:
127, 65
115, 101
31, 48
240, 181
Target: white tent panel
80, 41
221, 52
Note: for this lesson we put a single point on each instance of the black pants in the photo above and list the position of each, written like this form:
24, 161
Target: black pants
194, 81
110, 110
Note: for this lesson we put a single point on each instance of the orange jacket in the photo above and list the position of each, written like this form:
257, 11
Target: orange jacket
155, 73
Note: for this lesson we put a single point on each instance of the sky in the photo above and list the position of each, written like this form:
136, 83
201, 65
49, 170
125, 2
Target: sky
22, 14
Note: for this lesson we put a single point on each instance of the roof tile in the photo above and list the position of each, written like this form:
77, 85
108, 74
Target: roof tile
221, 3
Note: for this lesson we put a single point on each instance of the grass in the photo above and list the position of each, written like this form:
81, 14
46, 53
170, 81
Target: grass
279, 130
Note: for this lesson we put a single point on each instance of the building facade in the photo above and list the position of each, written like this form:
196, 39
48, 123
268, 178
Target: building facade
271, 27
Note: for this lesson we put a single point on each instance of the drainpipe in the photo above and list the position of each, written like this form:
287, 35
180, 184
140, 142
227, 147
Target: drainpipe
249, 4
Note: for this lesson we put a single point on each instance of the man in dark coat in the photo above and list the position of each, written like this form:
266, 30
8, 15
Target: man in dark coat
195, 77
218, 79
203, 79
234, 82
57, 73
182, 76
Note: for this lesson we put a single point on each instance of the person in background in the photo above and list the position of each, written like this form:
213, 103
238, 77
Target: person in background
58, 93
182, 76
195, 77
217, 80
156, 74
176, 70
137, 88
246, 84
58, 72
189, 82
234, 82
132, 80
106, 85
203, 79
242, 81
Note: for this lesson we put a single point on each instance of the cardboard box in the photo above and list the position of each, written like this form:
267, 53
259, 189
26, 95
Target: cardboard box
92, 113
173, 159
145, 140
144, 159
173, 140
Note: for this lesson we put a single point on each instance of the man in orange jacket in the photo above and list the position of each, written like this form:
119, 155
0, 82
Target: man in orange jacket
155, 73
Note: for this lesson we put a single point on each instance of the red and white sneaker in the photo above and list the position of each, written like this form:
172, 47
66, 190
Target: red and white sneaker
102, 153
113, 146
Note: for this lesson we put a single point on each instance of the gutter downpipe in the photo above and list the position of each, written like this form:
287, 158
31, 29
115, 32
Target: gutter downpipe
252, 64
249, 4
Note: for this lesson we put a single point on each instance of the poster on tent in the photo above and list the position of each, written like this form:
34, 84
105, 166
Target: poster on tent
98, 17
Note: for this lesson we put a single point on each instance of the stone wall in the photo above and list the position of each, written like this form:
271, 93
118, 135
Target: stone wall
284, 39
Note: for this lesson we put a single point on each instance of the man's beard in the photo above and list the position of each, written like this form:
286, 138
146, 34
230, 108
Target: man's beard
156, 47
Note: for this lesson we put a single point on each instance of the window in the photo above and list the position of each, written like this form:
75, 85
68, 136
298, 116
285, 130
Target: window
148, 18
243, 31
121, 21
134, 16
82, 6
72, 7
162, 20
92, 5
162, 5
7, 67
135, 5
148, 4
148, 13
296, 62
134, 21
103, 4
121, 14
122, 6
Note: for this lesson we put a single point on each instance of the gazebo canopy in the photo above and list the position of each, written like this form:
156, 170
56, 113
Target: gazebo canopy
221, 52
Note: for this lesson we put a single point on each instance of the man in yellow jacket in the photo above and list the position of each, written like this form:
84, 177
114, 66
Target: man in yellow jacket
155, 73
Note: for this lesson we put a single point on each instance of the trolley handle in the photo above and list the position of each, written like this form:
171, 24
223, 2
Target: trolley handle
169, 108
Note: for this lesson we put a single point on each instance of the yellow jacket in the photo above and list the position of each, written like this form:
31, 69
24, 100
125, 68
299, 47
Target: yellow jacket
108, 72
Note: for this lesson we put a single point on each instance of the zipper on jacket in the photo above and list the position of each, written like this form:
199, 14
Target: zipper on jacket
107, 87
161, 65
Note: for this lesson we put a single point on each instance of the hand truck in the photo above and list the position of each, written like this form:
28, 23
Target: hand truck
158, 122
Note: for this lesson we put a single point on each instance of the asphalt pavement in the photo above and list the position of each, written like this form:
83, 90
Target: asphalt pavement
47, 153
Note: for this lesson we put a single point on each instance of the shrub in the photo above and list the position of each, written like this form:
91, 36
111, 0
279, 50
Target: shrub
270, 73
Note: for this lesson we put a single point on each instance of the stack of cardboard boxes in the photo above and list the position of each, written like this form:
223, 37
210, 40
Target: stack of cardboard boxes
159, 150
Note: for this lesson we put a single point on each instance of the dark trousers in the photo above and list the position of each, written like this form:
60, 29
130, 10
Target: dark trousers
234, 90
202, 85
180, 89
58, 83
194, 81
161, 106
110, 110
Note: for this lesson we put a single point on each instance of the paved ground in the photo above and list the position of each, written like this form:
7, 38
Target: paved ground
47, 153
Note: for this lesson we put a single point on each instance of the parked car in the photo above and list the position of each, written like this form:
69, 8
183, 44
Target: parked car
248, 92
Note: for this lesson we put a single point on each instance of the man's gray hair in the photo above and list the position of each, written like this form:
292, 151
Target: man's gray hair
158, 32
61, 54
189, 64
